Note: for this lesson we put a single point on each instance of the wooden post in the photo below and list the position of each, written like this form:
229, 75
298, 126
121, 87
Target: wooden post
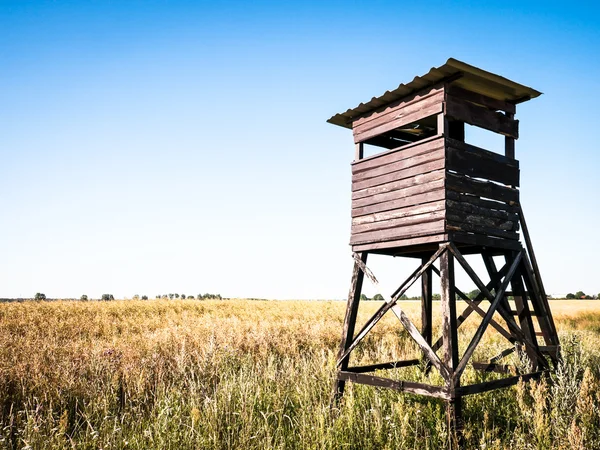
426, 307
358, 151
450, 334
349, 324
426, 303
509, 141
523, 313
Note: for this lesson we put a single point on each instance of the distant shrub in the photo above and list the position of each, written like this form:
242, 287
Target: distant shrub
144, 297
209, 297
107, 297
378, 297
136, 297
83, 298
40, 296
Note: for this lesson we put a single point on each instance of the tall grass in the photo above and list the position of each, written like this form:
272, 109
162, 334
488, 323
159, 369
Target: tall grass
254, 374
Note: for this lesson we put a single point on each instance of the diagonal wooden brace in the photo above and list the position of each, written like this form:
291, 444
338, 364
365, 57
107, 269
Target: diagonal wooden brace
389, 304
488, 316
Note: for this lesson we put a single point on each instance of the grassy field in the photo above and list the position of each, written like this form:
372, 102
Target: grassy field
243, 374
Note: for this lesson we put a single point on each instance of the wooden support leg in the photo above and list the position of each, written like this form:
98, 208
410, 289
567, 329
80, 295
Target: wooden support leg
455, 423
450, 335
426, 307
349, 325
524, 314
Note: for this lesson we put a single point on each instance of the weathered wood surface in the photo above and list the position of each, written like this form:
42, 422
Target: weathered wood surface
427, 303
412, 210
388, 305
475, 307
401, 243
477, 300
395, 185
443, 368
480, 99
403, 202
486, 189
493, 367
468, 224
408, 231
398, 223
399, 116
483, 241
397, 105
480, 116
534, 272
476, 207
383, 366
497, 384
403, 386
397, 194
399, 175
523, 313
488, 316
480, 164
504, 312
399, 165
461, 145
449, 323
349, 322
398, 154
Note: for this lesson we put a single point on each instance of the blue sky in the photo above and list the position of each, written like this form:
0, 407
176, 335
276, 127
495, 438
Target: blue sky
156, 147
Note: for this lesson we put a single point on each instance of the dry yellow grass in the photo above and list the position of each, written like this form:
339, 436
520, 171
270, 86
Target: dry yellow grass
257, 374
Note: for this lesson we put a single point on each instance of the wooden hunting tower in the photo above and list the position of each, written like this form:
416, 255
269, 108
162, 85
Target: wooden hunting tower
428, 194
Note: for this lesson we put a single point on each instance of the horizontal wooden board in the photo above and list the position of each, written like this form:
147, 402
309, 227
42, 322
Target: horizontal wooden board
480, 220
480, 202
408, 109
398, 154
399, 184
481, 117
483, 240
398, 193
412, 210
480, 165
400, 174
408, 231
454, 224
454, 143
431, 110
397, 105
400, 222
397, 243
487, 189
457, 207
417, 199
434, 155
481, 99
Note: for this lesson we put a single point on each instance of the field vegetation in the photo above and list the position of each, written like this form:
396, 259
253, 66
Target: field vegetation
241, 374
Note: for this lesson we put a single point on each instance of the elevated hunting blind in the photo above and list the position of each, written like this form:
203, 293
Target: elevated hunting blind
428, 194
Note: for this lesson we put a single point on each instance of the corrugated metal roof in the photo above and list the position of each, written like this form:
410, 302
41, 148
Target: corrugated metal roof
472, 78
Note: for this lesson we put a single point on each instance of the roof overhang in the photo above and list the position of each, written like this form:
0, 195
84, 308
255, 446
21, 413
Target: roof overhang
460, 74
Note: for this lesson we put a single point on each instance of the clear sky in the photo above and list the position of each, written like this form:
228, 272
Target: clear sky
152, 147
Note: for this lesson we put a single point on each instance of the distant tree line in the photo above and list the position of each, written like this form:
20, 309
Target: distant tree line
579, 295
40, 296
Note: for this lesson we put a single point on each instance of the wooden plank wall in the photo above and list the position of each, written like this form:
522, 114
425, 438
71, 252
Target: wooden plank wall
438, 187
410, 109
399, 194
481, 189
